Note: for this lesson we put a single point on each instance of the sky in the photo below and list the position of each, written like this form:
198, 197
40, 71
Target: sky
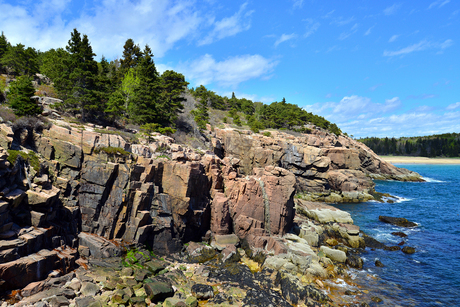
375, 68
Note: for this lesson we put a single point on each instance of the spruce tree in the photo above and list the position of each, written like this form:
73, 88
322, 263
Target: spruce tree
173, 86
19, 97
144, 107
79, 80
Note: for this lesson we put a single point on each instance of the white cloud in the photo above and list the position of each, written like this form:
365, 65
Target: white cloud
311, 27
393, 38
108, 24
285, 37
390, 104
229, 26
438, 3
453, 106
340, 21
298, 3
345, 35
374, 87
391, 9
420, 46
228, 73
368, 31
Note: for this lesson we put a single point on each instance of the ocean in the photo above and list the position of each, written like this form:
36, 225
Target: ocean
431, 276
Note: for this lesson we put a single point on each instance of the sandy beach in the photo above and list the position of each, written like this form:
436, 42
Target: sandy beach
419, 160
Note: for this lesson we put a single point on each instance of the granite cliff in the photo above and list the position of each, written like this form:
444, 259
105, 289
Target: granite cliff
92, 191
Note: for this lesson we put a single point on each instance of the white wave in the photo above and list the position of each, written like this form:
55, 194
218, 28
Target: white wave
341, 283
416, 261
402, 199
427, 179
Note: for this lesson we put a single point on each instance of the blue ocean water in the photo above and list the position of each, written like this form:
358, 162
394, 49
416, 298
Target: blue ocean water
431, 276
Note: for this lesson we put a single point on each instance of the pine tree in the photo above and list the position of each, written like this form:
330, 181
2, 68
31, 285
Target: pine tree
3, 46
19, 97
173, 86
144, 107
80, 86
132, 54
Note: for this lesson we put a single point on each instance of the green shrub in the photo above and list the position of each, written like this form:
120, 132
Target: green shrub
224, 120
112, 151
19, 97
31, 158
267, 133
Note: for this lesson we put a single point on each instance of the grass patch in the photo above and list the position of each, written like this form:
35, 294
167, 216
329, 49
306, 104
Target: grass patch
112, 151
46, 90
7, 114
30, 157
268, 133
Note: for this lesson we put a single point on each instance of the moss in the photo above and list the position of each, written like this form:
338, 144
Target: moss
30, 157
112, 151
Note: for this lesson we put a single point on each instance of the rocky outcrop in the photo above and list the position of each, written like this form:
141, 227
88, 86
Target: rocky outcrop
323, 163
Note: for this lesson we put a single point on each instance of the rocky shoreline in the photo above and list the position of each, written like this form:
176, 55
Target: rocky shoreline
220, 271
72, 195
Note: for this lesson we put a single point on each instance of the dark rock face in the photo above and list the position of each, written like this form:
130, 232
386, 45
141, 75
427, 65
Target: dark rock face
397, 221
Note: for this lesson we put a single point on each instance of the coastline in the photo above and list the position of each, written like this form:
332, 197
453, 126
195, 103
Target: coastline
420, 160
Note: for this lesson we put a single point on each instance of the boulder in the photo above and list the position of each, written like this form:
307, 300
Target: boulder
397, 221
334, 254
322, 213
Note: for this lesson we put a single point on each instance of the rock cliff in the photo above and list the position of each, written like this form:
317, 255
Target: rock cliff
95, 183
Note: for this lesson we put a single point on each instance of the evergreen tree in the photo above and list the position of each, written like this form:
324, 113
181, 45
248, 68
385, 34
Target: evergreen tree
19, 97
173, 86
79, 80
20, 60
132, 54
145, 106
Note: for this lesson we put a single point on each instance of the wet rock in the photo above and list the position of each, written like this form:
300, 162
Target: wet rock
399, 234
355, 261
295, 292
392, 248
373, 243
378, 263
202, 292
376, 299
408, 250
397, 221
263, 298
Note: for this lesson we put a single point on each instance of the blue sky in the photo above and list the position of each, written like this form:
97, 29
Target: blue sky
376, 68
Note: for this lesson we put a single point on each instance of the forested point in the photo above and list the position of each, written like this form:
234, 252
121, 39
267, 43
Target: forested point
128, 90
439, 145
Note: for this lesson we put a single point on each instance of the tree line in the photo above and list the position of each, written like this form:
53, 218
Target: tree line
130, 89
439, 145
277, 115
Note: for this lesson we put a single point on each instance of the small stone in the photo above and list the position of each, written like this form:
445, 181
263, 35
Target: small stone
379, 263
191, 301
202, 292
158, 291
89, 289
408, 250
376, 299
